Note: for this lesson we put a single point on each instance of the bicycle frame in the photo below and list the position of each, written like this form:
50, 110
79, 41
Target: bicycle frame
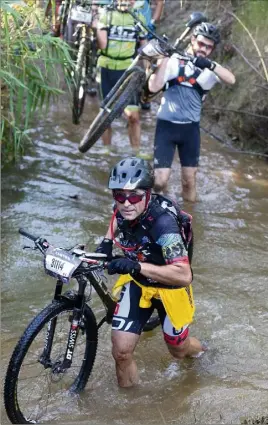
196, 17
84, 277
108, 301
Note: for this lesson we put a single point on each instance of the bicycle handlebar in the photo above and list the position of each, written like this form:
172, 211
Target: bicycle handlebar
169, 47
28, 235
91, 258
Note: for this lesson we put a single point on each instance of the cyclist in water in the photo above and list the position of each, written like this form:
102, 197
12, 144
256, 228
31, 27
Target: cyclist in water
156, 239
186, 85
118, 39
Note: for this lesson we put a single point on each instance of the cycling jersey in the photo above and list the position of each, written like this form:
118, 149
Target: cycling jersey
155, 237
123, 37
182, 101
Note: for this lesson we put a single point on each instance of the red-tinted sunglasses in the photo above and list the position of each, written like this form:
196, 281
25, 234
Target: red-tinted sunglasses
202, 45
133, 198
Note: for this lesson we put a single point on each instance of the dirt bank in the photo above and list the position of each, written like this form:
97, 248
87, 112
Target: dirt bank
239, 114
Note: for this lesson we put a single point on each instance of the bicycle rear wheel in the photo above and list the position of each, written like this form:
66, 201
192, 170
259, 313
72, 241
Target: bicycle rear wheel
64, 17
31, 388
114, 104
80, 77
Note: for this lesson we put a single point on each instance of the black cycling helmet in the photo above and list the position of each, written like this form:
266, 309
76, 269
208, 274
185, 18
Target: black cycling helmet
209, 31
131, 173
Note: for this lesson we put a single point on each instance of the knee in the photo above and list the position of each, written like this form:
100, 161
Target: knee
159, 186
160, 183
121, 355
134, 119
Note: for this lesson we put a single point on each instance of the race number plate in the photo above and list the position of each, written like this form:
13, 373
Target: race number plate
79, 14
60, 263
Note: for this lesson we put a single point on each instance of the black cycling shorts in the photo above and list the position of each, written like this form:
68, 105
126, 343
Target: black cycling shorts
108, 79
168, 136
130, 317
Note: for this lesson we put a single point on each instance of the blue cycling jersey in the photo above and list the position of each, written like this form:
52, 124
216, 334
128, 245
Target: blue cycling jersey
142, 6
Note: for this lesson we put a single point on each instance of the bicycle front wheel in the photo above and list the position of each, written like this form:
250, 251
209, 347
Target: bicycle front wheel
118, 100
32, 390
79, 93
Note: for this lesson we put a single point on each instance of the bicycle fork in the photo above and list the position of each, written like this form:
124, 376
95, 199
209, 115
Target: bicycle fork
60, 366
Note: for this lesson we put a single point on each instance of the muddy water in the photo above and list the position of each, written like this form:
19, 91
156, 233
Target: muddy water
59, 193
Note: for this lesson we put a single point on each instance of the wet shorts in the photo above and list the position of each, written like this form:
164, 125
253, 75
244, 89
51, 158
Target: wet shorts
130, 317
108, 79
168, 136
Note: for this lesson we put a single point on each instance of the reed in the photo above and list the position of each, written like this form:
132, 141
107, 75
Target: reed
32, 65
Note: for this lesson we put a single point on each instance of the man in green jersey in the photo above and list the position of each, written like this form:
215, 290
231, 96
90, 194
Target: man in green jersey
117, 40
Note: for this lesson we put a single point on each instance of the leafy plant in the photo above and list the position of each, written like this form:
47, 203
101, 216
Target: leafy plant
32, 65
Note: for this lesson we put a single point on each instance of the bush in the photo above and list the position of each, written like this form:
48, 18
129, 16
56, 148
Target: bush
32, 64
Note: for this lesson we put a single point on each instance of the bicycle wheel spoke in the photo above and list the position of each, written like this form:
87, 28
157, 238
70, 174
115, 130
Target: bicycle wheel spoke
37, 386
39, 375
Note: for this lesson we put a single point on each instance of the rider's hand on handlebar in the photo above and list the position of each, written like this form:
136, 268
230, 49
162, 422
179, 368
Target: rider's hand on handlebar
123, 266
203, 63
153, 49
106, 247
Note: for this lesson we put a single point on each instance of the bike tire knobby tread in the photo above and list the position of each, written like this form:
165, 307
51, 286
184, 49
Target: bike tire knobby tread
21, 349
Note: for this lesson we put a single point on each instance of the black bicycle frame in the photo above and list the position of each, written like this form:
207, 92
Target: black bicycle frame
108, 301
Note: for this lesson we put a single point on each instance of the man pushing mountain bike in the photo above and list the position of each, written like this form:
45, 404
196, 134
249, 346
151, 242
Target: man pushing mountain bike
118, 38
186, 84
156, 239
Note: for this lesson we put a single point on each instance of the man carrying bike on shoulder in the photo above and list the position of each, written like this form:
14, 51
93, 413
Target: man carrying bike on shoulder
118, 38
156, 239
187, 83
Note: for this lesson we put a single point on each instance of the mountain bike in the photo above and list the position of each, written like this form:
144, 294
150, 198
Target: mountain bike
56, 352
81, 37
134, 80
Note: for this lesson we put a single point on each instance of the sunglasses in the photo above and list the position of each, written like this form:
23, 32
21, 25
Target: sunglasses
133, 198
202, 45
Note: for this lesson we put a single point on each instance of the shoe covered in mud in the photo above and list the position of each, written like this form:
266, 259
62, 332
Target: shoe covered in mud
91, 91
146, 106
204, 349
144, 155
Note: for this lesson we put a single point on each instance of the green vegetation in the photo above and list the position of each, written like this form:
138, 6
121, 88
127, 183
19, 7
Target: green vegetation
32, 64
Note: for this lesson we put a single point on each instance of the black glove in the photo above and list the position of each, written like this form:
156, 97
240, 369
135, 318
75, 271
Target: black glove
203, 63
123, 266
106, 247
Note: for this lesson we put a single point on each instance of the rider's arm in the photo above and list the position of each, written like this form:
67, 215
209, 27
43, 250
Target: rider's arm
102, 39
224, 74
166, 70
102, 31
159, 6
177, 270
178, 273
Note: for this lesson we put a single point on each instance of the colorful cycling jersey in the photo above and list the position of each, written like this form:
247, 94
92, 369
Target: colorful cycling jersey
122, 39
182, 102
161, 243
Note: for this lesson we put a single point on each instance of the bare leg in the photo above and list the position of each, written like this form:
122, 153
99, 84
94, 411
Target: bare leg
189, 348
188, 178
124, 344
161, 176
107, 136
134, 128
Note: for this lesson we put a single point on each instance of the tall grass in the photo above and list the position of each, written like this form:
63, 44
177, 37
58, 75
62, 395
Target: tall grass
32, 65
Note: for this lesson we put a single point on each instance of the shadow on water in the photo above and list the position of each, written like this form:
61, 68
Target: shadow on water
61, 194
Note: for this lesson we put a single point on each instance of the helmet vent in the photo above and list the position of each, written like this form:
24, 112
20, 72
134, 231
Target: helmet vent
138, 173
